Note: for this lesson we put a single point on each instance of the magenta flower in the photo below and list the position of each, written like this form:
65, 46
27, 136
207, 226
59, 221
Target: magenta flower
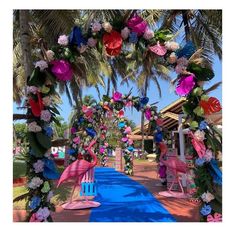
185, 85
73, 130
62, 70
137, 25
124, 139
148, 114
128, 130
130, 141
117, 96
101, 150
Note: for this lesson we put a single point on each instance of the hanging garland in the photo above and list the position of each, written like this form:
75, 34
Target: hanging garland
59, 64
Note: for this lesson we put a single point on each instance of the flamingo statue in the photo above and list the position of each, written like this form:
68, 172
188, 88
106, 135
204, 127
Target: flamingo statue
176, 166
77, 170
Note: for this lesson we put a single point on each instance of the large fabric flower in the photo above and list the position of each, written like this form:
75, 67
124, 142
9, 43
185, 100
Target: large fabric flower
128, 130
35, 202
50, 171
206, 210
148, 114
117, 96
137, 24
185, 85
62, 70
187, 51
112, 42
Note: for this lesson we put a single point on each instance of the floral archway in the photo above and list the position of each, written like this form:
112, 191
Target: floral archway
59, 64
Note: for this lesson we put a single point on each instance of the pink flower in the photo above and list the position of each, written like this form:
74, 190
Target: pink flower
172, 46
32, 89
45, 115
47, 101
182, 64
63, 40
125, 33
208, 155
148, 34
38, 166
129, 104
130, 141
101, 150
124, 139
107, 27
106, 144
41, 64
50, 55
185, 85
216, 218
199, 135
128, 130
76, 140
62, 70
34, 127
137, 25
117, 96
96, 26
92, 42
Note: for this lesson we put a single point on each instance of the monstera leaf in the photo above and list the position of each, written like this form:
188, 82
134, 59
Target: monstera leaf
43, 140
202, 74
37, 148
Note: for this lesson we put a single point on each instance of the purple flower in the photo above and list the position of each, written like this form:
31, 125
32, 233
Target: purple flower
45, 115
32, 89
49, 196
137, 24
125, 33
35, 182
35, 202
206, 210
73, 130
42, 213
101, 150
38, 166
148, 34
92, 42
62, 70
63, 40
200, 161
117, 96
96, 26
133, 37
41, 64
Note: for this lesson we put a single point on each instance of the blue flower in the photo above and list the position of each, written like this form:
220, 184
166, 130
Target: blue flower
35, 202
203, 125
91, 132
48, 131
206, 210
121, 125
133, 37
76, 37
187, 51
144, 100
130, 148
81, 120
50, 171
200, 161
71, 151
158, 136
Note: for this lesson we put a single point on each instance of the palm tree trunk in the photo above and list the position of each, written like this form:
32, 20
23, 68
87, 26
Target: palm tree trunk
142, 116
25, 42
186, 25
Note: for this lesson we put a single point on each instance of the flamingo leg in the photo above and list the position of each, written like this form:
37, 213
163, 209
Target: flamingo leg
180, 184
172, 184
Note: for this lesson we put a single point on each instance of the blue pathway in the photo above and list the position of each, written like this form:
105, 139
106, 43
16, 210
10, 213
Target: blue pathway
125, 200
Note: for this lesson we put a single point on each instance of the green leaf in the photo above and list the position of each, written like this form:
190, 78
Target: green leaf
202, 74
44, 140
46, 187
54, 109
37, 148
56, 121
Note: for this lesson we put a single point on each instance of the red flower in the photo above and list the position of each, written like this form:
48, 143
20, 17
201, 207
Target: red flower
210, 106
112, 42
36, 106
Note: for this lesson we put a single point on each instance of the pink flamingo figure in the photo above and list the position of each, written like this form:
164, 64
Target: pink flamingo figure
176, 166
77, 170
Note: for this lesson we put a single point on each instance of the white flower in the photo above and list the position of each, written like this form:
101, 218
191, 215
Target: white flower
148, 106
92, 42
107, 27
148, 34
125, 33
209, 155
172, 46
155, 117
172, 58
35, 182
34, 127
47, 101
63, 40
50, 55
152, 112
45, 115
130, 97
96, 26
207, 197
199, 135
105, 103
41, 64
38, 166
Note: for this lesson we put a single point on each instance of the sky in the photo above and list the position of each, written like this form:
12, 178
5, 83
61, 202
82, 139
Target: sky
168, 95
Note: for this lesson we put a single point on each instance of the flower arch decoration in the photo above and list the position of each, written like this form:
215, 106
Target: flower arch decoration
58, 65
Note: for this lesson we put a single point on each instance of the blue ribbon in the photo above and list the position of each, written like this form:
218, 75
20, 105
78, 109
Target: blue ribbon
76, 37
187, 51
158, 136
215, 172
50, 170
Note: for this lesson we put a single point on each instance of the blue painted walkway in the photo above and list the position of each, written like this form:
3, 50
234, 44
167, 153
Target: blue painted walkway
125, 200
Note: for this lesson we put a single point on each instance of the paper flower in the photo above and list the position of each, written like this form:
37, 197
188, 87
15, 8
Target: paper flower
62, 70
158, 49
125, 33
96, 26
200, 161
207, 197
148, 34
172, 46
35, 182
185, 85
133, 37
41, 64
46, 101
137, 24
42, 213
34, 127
35, 202
38, 166
50, 55
172, 58
107, 27
117, 96
203, 125
45, 115
63, 40
206, 210
216, 218
112, 42
199, 135
32, 89
92, 42
48, 131
73, 130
